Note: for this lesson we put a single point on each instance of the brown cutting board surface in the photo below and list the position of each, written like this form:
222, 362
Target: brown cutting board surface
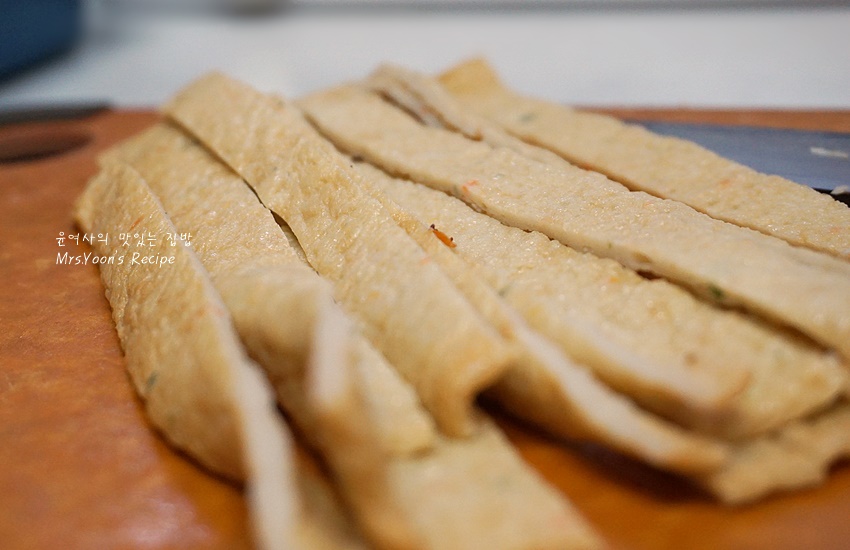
81, 468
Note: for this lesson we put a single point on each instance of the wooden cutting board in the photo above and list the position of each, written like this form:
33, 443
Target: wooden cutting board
81, 468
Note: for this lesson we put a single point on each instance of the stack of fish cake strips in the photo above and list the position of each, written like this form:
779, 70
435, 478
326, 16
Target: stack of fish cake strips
421, 254
736, 335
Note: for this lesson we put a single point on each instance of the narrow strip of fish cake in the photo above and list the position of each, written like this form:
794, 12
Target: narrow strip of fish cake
437, 491
473, 492
425, 99
664, 166
410, 309
806, 290
184, 358
796, 456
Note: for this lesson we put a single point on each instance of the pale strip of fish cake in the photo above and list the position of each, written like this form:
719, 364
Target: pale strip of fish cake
436, 491
424, 327
343, 427
557, 289
664, 166
230, 228
463, 493
425, 99
797, 456
337, 421
198, 386
268, 288
273, 309
544, 386
804, 289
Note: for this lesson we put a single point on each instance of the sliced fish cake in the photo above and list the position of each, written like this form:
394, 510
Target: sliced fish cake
797, 456
302, 178
663, 166
270, 291
352, 409
184, 358
801, 288
542, 385
565, 294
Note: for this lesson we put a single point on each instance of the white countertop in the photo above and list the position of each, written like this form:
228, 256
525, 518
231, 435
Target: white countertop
656, 56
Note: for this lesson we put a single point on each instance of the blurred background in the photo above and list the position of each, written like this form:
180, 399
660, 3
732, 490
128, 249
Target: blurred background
720, 53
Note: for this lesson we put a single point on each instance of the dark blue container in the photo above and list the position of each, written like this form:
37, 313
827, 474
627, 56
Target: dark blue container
34, 30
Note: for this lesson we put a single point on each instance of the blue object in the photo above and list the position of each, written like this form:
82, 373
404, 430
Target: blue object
34, 30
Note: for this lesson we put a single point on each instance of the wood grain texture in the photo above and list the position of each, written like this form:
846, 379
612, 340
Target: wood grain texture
81, 468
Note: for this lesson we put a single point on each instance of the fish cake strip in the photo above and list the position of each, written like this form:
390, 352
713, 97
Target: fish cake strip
473, 492
797, 456
663, 166
184, 358
426, 100
508, 507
